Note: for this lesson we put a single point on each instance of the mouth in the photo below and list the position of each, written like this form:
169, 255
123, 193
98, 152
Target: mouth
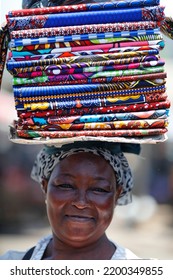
79, 218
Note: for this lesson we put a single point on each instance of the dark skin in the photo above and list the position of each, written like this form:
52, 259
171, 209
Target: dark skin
81, 195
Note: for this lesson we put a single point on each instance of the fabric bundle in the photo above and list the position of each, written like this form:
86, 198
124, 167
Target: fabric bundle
89, 71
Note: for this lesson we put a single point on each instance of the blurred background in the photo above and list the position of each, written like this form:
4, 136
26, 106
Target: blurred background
145, 226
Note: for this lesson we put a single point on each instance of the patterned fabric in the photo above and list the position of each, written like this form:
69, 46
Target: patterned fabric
99, 102
87, 49
153, 114
141, 108
167, 27
95, 38
96, 133
55, 69
87, 68
85, 58
93, 17
79, 78
79, 90
79, 7
48, 158
130, 124
85, 29
124, 84
4, 37
93, 73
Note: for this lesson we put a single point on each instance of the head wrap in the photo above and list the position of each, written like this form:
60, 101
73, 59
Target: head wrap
48, 157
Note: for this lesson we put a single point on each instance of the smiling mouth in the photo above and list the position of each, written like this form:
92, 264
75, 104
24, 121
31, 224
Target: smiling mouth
81, 219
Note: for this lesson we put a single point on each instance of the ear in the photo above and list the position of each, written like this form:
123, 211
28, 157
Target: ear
44, 185
117, 194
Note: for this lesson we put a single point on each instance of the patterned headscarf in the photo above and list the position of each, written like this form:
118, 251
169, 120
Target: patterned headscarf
48, 157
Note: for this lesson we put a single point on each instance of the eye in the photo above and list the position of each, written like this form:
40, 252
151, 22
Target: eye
100, 190
65, 186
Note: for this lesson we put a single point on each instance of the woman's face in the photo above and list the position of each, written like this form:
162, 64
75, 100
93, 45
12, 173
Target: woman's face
81, 195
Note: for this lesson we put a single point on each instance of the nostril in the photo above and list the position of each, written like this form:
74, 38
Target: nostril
80, 202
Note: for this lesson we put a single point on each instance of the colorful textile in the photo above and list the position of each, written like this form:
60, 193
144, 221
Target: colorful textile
153, 114
61, 48
84, 29
56, 70
37, 61
114, 125
95, 38
167, 27
119, 85
90, 17
43, 112
81, 89
99, 102
96, 133
4, 37
85, 7
93, 73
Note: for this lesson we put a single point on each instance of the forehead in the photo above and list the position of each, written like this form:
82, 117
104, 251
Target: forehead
84, 163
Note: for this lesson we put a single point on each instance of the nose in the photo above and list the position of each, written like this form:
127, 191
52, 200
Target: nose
81, 201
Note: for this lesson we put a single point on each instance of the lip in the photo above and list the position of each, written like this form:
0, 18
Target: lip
79, 218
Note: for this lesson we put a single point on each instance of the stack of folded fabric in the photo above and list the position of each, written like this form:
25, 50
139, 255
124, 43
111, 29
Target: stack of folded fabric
89, 70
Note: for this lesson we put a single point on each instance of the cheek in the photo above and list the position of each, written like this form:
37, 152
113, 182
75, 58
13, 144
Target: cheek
105, 206
55, 202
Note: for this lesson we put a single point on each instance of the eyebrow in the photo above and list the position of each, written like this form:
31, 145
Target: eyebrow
98, 178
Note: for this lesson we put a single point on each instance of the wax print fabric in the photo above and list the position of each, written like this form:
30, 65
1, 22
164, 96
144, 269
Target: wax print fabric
28, 103
124, 28
85, 7
89, 70
4, 37
49, 60
36, 111
96, 133
155, 13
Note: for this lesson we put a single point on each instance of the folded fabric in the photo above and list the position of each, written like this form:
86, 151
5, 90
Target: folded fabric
96, 133
4, 37
84, 29
166, 27
48, 60
54, 69
124, 82
155, 13
99, 102
85, 7
95, 73
28, 55
81, 89
37, 111
87, 46
114, 125
40, 121
43, 80
93, 38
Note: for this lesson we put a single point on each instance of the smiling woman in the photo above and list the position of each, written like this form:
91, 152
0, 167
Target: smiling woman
82, 183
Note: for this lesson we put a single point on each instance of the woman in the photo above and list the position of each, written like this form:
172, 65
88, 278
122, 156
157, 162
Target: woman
82, 183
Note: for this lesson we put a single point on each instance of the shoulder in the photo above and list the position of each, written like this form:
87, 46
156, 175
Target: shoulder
36, 254
122, 253
13, 255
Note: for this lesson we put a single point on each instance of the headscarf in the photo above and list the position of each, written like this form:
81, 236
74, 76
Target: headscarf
50, 156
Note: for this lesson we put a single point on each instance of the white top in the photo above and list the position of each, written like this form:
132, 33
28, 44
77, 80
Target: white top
119, 254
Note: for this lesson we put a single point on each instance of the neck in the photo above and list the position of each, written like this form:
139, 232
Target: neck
100, 249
